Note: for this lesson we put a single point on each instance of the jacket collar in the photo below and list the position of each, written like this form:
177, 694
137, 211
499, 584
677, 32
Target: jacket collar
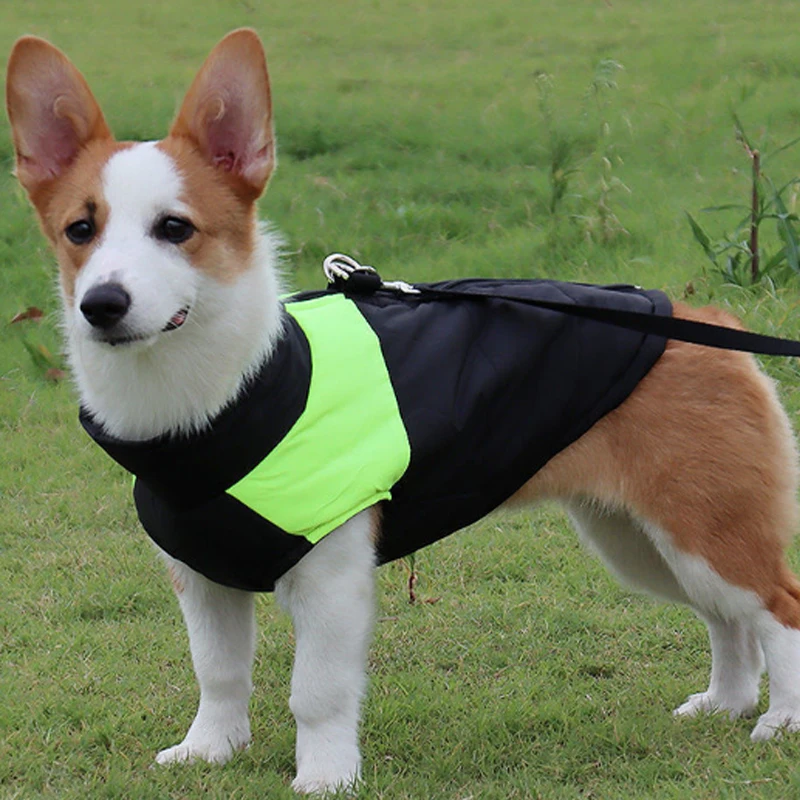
188, 469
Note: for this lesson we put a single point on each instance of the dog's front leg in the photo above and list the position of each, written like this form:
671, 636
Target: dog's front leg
330, 597
221, 625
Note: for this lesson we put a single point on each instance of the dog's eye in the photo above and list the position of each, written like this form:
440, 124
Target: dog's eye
174, 230
80, 232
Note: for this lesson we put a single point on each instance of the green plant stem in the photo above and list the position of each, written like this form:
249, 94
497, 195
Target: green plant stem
754, 216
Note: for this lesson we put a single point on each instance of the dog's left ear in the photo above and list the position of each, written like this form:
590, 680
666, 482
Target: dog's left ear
227, 112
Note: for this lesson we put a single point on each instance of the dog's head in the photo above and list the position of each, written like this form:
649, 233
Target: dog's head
139, 228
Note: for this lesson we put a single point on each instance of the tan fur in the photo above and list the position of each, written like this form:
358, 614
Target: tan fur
703, 449
79, 195
225, 219
375, 521
175, 579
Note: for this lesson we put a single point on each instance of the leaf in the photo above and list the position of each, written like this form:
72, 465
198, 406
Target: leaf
784, 217
726, 207
792, 143
792, 182
775, 260
41, 356
35, 355
702, 238
54, 374
789, 237
788, 234
47, 355
732, 271
30, 313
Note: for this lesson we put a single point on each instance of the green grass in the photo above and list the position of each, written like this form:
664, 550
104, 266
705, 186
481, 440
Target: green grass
410, 136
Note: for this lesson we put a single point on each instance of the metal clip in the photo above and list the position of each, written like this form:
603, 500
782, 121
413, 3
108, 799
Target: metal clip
339, 267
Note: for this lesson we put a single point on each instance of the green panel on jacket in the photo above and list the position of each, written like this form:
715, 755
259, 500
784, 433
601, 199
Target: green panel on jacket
349, 446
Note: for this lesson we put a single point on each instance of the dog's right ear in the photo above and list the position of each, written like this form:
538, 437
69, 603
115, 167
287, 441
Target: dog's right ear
53, 112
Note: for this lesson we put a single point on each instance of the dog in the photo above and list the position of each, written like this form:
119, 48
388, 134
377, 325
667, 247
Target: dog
171, 300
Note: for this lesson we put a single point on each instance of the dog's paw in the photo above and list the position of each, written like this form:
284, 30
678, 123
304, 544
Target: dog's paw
708, 703
319, 780
775, 724
321, 786
327, 763
215, 750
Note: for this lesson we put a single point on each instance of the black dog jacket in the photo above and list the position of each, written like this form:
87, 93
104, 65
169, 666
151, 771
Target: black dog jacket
439, 409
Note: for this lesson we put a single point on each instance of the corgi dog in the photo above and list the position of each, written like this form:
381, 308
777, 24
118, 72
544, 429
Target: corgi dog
172, 306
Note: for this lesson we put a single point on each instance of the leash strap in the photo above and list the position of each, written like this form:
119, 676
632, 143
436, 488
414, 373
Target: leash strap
350, 277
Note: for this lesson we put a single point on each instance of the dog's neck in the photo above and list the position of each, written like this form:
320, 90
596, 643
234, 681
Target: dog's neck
181, 382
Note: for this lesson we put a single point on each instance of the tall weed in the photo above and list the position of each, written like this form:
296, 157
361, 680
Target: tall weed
741, 257
581, 162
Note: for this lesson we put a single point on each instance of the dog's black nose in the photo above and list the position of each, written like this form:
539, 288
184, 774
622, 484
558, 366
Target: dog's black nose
105, 305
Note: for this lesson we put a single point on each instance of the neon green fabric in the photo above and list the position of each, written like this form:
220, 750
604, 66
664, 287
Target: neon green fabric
316, 479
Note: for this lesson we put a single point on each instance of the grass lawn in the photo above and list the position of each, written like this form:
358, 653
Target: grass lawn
432, 139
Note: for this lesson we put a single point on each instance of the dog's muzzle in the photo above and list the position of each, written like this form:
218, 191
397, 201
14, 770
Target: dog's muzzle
105, 308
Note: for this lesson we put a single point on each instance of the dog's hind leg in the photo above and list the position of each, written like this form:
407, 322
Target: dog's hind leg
737, 662
623, 544
779, 629
702, 455
330, 597
221, 625
753, 630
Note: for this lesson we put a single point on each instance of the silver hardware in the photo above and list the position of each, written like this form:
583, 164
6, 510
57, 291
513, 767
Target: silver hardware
339, 266
400, 286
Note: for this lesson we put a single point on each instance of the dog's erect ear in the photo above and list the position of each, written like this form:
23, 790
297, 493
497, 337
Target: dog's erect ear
52, 111
227, 112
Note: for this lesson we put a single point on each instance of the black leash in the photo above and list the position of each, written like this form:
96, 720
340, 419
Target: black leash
350, 277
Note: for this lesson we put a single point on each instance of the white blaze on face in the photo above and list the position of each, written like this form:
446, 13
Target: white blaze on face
138, 180
141, 186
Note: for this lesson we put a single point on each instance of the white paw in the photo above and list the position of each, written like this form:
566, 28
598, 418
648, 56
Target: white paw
707, 703
214, 750
316, 782
775, 723
324, 787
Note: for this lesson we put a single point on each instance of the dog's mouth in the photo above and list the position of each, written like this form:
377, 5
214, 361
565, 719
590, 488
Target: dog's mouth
175, 321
